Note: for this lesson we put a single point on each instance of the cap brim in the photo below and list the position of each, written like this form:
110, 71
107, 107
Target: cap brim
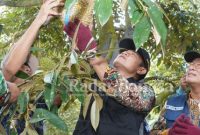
191, 55
126, 44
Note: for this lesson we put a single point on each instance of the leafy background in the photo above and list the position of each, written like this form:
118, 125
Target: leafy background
166, 28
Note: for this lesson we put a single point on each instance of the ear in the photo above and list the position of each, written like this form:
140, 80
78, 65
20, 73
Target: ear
26, 69
141, 71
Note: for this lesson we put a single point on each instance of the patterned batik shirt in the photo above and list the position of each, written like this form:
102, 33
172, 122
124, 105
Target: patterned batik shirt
138, 96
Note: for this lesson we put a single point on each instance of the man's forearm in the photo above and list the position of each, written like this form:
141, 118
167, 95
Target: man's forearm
137, 96
14, 90
99, 64
20, 50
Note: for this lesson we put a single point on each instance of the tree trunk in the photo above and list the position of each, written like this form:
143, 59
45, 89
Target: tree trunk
22, 3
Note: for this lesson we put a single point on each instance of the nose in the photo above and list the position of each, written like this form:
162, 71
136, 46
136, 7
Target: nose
191, 67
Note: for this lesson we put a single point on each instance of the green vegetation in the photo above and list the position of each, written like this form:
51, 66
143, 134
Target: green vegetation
166, 28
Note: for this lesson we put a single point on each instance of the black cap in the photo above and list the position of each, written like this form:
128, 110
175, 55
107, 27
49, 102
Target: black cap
191, 55
128, 44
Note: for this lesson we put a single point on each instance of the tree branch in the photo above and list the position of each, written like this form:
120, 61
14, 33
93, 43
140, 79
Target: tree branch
24, 3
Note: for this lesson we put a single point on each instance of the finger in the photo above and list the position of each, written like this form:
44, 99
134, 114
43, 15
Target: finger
178, 134
55, 4
181, 118
179, 130
76, 21
187, 120
62, 1
181, 124
47, 2
54, 13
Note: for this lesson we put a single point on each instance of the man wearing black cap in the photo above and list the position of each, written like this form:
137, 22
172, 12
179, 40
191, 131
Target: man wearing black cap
124, 112
182, 113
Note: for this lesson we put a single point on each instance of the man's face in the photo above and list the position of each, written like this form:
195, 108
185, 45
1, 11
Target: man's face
128, 60
193, 73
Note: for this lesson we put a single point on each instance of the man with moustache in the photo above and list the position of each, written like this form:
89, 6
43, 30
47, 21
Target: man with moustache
182, 112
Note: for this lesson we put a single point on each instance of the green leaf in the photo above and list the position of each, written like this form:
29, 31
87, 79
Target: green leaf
54, 110
73, 57
13, 132
69, 4
22, 75
103, 10
86, 104
50, 91
49, 95
31, 131
48, 78
36, 49
157, 21
95, 111
149, 3
141, 31
23, 100
79, 92
134, 13
2, 130
75, 68
1, 28
84, 64
94, 115
63, 93
42, 114
28, 130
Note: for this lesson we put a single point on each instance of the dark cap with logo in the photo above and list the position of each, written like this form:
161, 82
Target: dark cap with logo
128, 44
191, 55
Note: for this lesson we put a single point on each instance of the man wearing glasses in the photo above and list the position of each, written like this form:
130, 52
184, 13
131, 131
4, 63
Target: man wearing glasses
182, 112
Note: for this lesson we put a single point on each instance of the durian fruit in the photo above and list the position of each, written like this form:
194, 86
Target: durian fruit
83, 10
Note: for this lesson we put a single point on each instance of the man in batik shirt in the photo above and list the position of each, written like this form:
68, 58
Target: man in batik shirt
124, 111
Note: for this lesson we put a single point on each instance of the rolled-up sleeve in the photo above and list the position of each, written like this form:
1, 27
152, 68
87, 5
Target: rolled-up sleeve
137, 96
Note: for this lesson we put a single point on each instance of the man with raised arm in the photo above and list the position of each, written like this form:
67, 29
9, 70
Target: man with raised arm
123, 113
19, 57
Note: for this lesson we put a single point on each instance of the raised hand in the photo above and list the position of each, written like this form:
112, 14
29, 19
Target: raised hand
183, 126
48, 10
84, 35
